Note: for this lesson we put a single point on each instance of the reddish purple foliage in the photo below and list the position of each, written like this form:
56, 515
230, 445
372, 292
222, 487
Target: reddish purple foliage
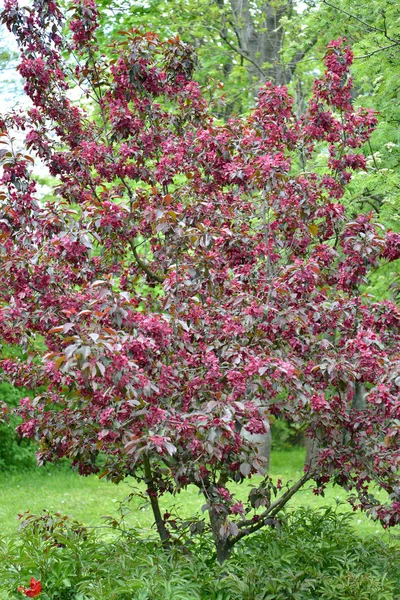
252, 307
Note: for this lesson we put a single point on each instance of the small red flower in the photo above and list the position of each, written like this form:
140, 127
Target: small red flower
34, 589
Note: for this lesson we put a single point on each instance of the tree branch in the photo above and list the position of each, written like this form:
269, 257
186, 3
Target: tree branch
249, 526
143, 266
300, 54
376, 51
371, 27
152, 493
242, 54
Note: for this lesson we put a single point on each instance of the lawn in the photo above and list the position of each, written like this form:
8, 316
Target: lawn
88, 499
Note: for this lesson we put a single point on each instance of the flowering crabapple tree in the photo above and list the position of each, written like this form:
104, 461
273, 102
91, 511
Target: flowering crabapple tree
189, 281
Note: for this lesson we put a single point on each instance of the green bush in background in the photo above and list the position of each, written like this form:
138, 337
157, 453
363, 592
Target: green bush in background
285, 435
15, 453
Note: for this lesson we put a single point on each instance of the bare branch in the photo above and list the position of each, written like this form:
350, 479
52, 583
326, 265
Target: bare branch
280, 503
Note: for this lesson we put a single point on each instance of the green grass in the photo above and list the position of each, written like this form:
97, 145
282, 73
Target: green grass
88, 499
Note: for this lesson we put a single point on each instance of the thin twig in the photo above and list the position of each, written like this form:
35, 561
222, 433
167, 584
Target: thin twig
376, 51
238, 51
371, 27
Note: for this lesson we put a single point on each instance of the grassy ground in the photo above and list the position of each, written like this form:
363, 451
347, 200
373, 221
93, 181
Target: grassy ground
88, 499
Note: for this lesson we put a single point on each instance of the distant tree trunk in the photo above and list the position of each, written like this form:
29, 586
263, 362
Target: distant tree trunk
262, 442
359, 396
312, 443
312, 450
260, 36
255, 32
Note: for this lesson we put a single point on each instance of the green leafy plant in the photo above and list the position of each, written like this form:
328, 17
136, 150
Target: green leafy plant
15, 453
308, 555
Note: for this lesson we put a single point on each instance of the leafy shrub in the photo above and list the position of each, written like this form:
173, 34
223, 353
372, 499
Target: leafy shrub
15, 453
311, 555
285, 435
315, 555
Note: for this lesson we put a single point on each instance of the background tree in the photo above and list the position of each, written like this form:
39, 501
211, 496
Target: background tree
373, 30
239, 44
11, 90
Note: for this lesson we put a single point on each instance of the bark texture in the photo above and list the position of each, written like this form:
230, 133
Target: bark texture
260, 37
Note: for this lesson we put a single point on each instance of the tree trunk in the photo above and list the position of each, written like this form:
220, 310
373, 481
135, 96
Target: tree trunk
261, 441
359, 396
260, 38
220, 534
152, 492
